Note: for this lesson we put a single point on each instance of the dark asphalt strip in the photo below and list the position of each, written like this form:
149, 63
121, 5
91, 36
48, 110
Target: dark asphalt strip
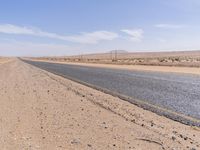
175, 96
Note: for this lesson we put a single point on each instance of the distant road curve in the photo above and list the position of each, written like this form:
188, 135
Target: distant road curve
176, 96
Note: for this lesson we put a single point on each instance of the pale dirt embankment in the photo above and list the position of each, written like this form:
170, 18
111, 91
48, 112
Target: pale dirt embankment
43, 111
4, 60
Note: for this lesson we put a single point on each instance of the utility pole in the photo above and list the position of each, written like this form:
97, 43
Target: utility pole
81, 57
115, 55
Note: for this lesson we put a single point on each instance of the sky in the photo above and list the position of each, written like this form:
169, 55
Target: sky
73, 27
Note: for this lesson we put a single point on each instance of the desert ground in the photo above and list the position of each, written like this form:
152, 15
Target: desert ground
40, 110
175, 62
180, 59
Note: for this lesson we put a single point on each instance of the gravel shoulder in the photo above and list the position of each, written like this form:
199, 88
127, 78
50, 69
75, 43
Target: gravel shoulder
40, 110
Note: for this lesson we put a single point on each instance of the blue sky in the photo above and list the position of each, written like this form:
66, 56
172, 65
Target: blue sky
69, 27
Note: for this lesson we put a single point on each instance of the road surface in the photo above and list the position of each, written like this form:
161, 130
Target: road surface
175, 92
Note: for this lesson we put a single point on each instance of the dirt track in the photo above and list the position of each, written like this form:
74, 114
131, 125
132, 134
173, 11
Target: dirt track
42, 111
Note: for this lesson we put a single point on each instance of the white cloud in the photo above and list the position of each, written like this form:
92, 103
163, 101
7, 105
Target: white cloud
93, 37
169, 26
17, 48
136, 35
84, 38
162, 40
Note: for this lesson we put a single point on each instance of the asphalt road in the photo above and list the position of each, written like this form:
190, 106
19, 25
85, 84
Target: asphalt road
177, 92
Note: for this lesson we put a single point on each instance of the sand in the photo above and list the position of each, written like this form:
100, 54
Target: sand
39, 110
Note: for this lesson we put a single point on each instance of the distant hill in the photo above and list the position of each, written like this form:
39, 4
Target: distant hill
118, 51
